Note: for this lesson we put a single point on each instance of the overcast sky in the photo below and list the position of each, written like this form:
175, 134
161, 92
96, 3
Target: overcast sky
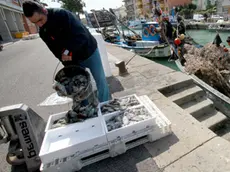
99, 4
90, 4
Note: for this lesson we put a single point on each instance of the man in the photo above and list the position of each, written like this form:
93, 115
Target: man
165, 29
181, 25
69, 41
168, 28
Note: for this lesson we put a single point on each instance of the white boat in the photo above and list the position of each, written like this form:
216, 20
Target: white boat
136, 24
149, 49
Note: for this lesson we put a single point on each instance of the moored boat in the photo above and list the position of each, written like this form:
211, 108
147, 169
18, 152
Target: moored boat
221, 101
150, 45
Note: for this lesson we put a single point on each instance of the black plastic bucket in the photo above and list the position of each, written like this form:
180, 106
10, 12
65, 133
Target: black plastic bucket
70, 72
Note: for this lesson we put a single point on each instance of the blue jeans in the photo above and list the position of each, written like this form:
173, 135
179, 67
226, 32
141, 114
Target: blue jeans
95, 66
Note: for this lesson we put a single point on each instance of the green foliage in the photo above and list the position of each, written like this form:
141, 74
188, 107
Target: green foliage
73, 5
187, 10
210, 9
192, 6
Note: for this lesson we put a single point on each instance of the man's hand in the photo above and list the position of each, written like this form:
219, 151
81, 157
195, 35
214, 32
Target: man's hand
66, 58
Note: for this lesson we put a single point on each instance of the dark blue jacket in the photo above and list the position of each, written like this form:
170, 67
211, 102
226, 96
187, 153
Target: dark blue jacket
63, 31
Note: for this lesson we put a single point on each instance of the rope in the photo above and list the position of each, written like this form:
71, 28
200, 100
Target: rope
141, 54
131, 59
148, 51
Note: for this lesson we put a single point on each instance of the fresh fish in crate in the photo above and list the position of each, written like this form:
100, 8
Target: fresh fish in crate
129, 101
125, 120
119, 104
77, 115
60, 122
128, 117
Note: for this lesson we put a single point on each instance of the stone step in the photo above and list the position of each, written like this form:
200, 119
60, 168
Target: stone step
212, 119
199, 108
167, 91
185, 95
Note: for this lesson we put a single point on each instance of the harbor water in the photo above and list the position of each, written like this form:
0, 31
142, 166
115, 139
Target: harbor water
200, 36
204, 36
163, 61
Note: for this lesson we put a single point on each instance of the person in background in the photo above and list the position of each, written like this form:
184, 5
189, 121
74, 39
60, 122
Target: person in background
181, 25
165, 29
228, 40
69, 40
168, 28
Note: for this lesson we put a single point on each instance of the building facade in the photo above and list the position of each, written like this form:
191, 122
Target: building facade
130, 9
174, 3
12, 20
120, 12
147, 8
202, 4
139, 8
223, 8
219, 6
144, 8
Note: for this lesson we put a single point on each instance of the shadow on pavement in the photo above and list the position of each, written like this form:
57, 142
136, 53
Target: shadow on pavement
114, 85
158, 147
134, 160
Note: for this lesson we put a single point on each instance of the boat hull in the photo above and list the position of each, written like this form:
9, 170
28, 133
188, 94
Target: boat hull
153, 51
220, 101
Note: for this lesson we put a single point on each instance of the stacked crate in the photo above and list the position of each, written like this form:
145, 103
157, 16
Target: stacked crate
71, 147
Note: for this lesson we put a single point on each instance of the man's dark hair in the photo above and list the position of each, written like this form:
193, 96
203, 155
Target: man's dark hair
30, 7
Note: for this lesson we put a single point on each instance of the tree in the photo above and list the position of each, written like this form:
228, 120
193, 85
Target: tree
187, 10
192, 6
73, 5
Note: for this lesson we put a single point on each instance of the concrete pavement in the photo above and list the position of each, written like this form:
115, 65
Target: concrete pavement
27, 69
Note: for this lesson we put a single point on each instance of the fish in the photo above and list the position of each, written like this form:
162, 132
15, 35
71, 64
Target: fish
60, 122
78, 88
128, 117
119, 104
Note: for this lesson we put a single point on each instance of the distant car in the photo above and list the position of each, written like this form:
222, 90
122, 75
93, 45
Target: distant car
220, 21
217, 17
198, 17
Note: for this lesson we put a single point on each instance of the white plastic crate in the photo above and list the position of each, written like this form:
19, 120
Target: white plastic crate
55, 117
119, 138
126, 131
79, 139
113, 145
129, 96
74, 163
162, 121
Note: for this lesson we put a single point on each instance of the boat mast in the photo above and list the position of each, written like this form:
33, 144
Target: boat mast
93, 11
135, 9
